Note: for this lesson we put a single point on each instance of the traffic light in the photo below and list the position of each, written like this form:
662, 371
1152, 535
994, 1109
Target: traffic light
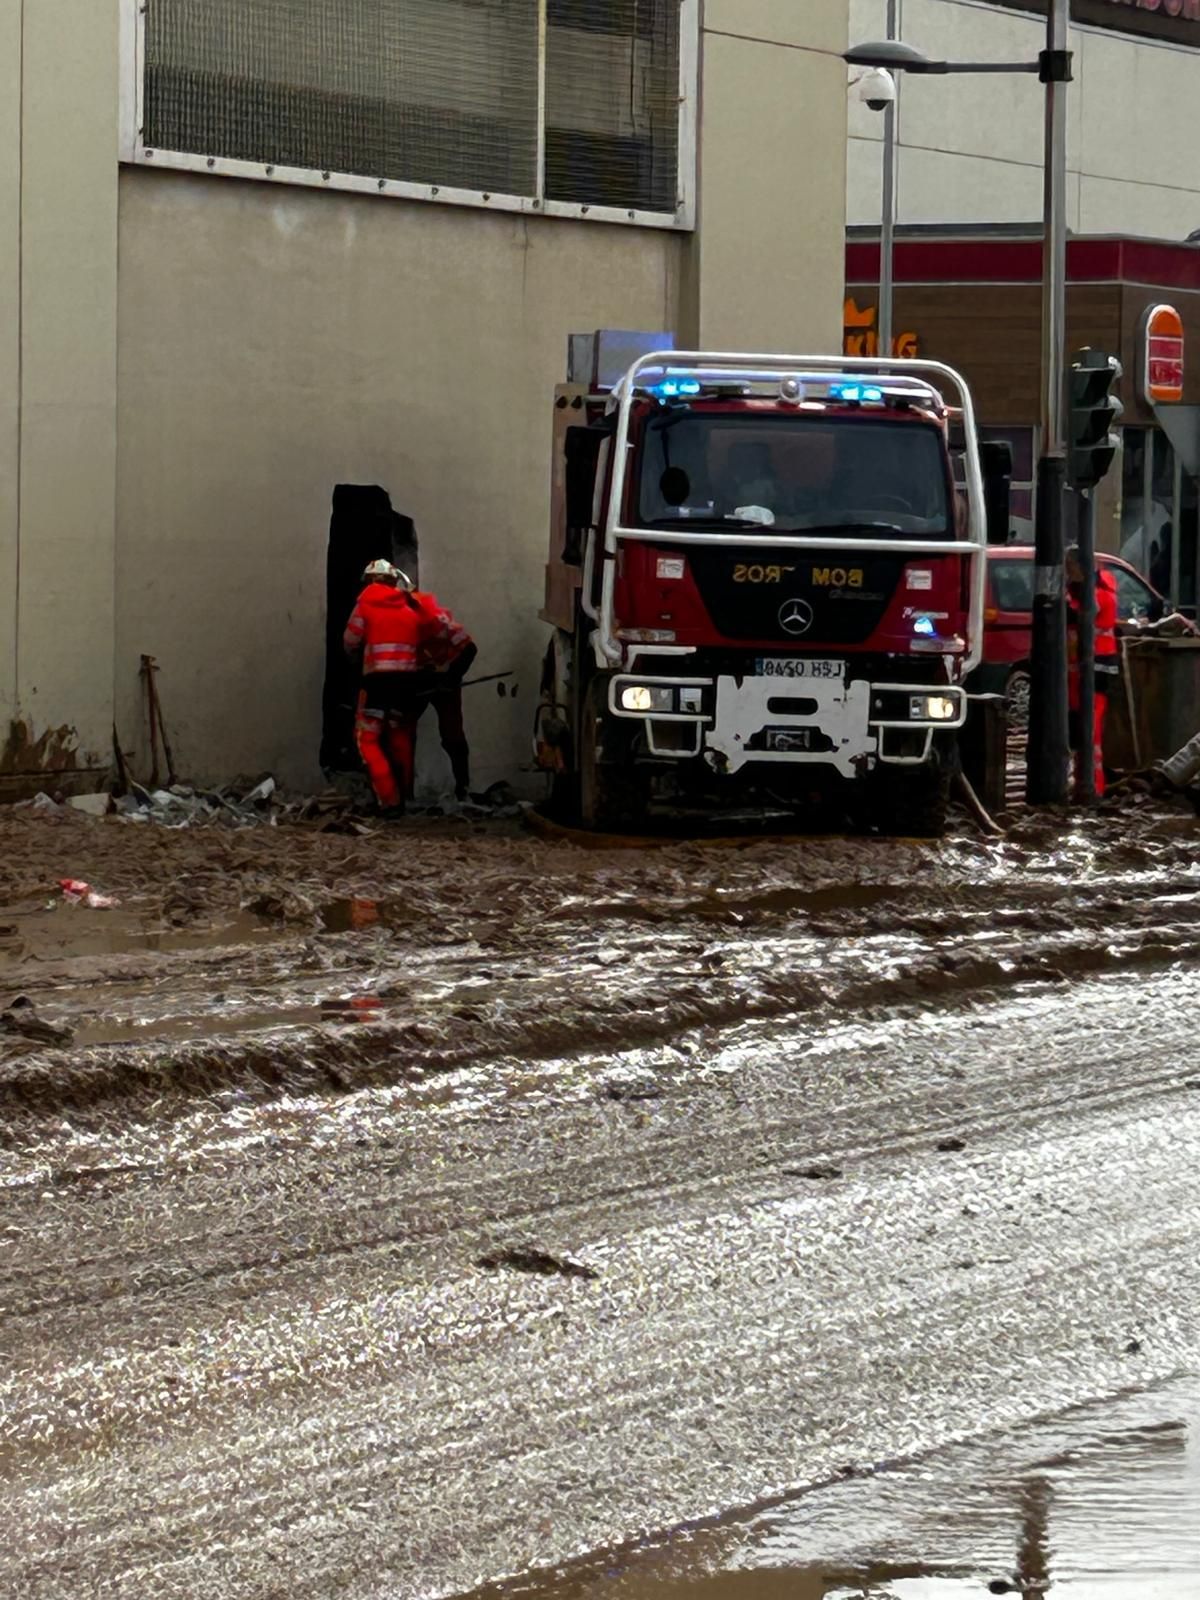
1095, 410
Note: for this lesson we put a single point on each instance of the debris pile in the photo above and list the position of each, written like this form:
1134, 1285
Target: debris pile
257, 803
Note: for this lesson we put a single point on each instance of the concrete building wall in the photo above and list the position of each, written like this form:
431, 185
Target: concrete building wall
276, 342
971, 148
58, 342
772, 189
10, 350
170, 436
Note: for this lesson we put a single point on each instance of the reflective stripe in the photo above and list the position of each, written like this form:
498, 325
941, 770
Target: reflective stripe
373, 666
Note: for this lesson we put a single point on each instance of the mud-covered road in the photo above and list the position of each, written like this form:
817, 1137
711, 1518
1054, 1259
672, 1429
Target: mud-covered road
405, 1212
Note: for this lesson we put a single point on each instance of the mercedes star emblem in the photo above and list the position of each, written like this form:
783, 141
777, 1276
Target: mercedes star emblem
795, 616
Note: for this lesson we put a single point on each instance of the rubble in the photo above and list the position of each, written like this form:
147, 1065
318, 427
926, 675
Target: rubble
21, 1018
256, 802
92, 805
76, 892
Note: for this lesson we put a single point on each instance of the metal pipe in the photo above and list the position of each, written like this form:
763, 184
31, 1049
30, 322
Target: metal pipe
1054, 262
958, 68
887, 232
818, 539
1176, 594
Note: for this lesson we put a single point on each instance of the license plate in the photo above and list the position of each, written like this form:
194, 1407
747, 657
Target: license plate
800, 667
783, 740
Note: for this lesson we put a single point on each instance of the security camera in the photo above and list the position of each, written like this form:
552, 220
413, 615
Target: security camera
877, 88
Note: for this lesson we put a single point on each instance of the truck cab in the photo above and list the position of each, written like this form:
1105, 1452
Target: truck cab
764, 586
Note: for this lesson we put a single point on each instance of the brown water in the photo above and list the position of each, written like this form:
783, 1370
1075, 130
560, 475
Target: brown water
1100, 1504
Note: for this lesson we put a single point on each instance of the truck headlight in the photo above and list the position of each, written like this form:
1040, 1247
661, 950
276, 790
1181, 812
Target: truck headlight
932, 708
647, 697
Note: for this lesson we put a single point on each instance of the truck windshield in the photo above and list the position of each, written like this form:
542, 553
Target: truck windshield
793, 473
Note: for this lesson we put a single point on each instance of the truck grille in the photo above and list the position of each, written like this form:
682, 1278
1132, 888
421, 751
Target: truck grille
746, 591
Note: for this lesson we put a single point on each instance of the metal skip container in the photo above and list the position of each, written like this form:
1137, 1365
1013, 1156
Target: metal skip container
1156, 709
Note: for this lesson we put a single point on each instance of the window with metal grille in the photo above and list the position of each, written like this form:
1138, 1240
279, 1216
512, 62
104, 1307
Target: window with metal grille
612, 102
554, 104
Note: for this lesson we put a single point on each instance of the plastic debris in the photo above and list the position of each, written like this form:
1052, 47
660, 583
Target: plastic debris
42, 805
261, 793
92, 805
77, 892
256, 802
182, 806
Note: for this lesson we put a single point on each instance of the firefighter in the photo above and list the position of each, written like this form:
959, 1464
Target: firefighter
1106, 656
391, 628
449, 651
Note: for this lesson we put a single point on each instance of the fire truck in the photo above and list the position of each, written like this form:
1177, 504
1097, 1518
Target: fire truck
766, 588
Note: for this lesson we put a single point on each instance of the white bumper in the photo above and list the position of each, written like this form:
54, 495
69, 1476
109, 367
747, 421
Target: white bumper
770, 719
758, 707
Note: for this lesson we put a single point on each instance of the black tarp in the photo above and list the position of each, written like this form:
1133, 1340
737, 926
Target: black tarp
363, 528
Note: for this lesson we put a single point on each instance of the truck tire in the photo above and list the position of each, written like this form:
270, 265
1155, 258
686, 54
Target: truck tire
612, 794
1016, 693
913, 802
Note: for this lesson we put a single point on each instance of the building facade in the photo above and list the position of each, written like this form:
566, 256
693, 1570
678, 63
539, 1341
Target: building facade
249, 253
971, 147
968, 261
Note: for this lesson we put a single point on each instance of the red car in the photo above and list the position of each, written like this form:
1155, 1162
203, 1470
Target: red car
1008, 620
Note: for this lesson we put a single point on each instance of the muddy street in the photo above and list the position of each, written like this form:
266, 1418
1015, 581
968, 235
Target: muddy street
391, 1216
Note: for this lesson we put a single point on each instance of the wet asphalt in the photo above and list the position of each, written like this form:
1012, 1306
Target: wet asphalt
400, 1218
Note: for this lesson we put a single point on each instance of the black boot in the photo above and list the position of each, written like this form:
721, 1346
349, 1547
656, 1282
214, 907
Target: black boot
460, 766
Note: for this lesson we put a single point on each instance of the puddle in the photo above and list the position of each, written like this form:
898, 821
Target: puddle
352, 916
209, 1024
63, 932
737, 905
1100, 1504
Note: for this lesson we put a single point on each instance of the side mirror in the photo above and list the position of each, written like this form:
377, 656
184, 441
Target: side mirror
995, 459
582, 448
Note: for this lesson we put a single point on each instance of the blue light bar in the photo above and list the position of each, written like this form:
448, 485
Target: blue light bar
856, 393
924, 626
672, 388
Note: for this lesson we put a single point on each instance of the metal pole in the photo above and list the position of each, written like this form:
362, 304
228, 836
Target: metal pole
887, 233
1047, 769
1176, 594
1085, 770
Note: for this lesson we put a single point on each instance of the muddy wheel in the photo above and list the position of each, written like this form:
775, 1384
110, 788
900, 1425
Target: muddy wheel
912, 802
1016, 694
612, 794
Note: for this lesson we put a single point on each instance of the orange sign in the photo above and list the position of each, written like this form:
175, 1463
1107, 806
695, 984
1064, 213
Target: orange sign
860, 333
1162, 356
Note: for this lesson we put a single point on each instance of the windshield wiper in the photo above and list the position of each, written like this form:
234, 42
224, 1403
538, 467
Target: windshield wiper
714, 519
851, 527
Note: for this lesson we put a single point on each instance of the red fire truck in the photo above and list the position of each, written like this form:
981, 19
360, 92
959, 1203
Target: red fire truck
766, 584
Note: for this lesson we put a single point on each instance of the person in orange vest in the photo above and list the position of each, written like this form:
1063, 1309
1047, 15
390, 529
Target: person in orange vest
391, 628
1107, 659
449, 651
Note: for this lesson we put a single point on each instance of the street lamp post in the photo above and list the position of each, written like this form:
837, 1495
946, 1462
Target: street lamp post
1046, 782
1046, 776
887, 231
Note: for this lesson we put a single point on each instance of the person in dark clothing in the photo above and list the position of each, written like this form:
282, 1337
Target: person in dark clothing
449, 650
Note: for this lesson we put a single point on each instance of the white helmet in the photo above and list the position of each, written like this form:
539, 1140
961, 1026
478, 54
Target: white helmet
384, 570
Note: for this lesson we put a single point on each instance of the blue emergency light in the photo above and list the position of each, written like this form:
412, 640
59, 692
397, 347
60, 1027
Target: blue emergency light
856, 393
924, 626
673, 388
